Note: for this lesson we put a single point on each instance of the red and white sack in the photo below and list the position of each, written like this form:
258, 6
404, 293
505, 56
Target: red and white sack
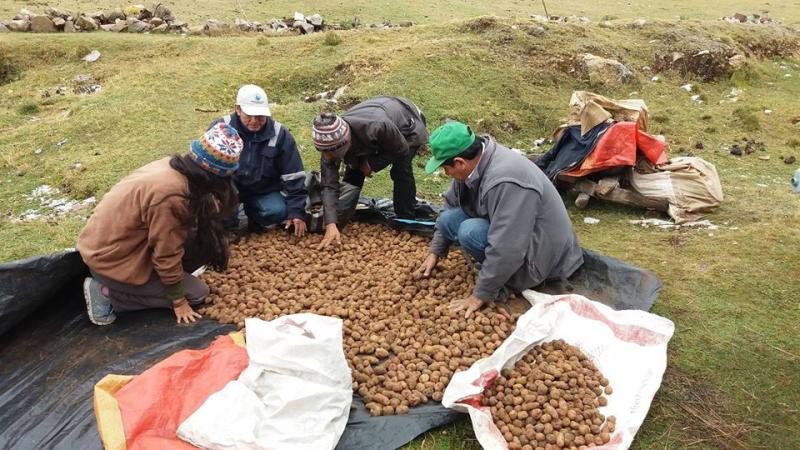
628, 347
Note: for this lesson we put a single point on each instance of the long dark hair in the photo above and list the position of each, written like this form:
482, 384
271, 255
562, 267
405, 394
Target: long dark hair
211, 201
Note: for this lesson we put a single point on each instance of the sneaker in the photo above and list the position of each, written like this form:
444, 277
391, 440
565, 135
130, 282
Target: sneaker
97, 305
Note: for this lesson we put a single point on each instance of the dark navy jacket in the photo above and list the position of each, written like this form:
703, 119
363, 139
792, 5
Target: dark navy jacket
269, 163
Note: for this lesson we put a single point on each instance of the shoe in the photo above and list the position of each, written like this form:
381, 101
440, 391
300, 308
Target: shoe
98, 306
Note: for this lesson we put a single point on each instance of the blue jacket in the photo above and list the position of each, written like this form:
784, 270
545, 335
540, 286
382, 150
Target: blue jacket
269, 163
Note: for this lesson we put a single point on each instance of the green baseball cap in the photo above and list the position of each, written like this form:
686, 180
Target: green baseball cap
447, 141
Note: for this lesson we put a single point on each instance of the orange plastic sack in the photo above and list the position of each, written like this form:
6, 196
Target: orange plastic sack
152, 405
618, 147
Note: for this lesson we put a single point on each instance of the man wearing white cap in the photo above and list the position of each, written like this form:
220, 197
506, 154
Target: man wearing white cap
270, 178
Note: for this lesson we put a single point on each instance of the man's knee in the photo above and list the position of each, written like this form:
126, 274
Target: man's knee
268, 210
473, 232
449, 221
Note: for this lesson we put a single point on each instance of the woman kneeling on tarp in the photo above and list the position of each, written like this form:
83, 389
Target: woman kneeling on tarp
160, 222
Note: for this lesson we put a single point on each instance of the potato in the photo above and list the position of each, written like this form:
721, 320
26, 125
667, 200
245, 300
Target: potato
387, 314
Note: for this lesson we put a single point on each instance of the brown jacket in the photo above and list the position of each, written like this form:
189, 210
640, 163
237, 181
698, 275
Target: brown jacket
139, 226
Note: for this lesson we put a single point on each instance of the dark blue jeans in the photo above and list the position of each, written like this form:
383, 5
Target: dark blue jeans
470, 233
267, 209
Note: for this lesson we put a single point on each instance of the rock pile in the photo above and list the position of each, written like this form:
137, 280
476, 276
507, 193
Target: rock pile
159, 19
133, 19
744, 18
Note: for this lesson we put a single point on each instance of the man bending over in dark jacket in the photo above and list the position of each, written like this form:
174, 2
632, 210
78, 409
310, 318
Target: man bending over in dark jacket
504, 212
372, 135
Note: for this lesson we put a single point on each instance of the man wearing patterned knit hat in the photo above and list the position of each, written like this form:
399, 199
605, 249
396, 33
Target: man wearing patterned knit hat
369, 137
156, 226
270, 180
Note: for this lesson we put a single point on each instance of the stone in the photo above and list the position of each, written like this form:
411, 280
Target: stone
92, 56
19, 25
144, 14
59, 22
54, 13
120, 25
42, 24
196, 30
790, 160
406, 23
315, 20
137, 26
178, 24
107, 26
298, 24
535, 30
69, 26
356, 21
23, 14
162, 12
306, 28
99, 17
299, 17
639, 24
156, 21
242, 24
602, 71
740, 17
215, 26
115, 14
163, 28
4, 28
737, 61
85, 23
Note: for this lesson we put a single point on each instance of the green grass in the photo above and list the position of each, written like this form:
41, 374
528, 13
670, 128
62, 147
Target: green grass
732, 378
438, 11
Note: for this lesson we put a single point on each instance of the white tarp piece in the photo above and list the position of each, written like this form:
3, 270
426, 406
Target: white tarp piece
295, 394
629, 347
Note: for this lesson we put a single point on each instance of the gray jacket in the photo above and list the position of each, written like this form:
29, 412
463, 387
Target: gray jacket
382, 129
530, 236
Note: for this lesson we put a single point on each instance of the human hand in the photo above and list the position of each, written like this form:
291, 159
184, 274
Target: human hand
332, 235
184, 311
472, 304
427, 265
299, 226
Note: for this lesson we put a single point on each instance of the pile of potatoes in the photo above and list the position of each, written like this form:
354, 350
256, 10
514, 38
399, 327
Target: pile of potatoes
550, 400
401, 340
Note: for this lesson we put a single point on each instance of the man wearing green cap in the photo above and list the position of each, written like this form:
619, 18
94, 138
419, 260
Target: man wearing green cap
504, 212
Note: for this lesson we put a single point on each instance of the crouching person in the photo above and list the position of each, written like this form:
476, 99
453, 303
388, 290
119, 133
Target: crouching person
156, 225
504, 213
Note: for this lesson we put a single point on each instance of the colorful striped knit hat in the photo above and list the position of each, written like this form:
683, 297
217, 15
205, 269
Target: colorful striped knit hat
331, 134
218, 150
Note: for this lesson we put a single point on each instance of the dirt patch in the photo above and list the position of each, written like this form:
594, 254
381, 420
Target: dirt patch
481, 25
690, 53
769, 43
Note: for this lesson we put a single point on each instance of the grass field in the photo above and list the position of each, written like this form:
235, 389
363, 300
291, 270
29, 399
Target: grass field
732, 380
438, 11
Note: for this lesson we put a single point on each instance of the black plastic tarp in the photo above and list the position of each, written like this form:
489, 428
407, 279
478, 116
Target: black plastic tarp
51, 356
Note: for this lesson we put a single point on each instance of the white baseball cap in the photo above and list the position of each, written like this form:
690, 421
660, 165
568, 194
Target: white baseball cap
253, 100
